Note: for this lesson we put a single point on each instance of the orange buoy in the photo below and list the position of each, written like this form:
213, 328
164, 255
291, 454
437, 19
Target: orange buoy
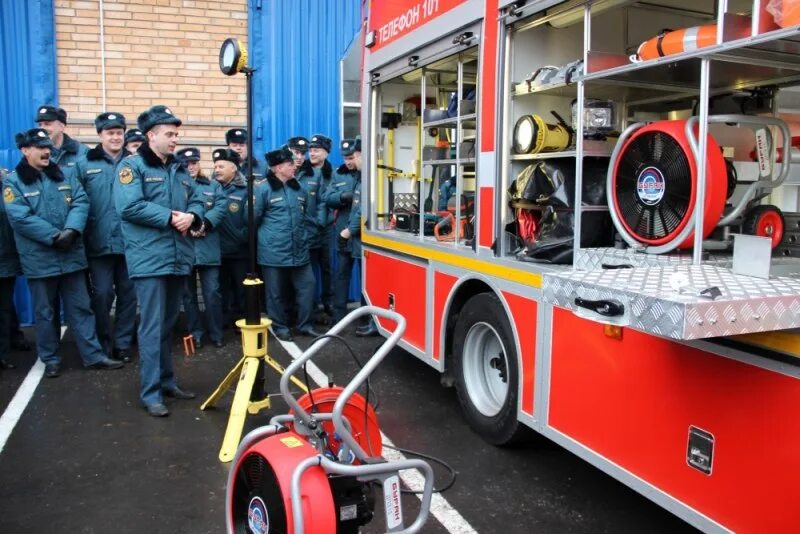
670, 42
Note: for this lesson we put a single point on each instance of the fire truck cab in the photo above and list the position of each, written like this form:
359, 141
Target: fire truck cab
587, 211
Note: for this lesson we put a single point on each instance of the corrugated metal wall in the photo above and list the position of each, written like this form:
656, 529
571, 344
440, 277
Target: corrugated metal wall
296, 46
27, 80
27, 68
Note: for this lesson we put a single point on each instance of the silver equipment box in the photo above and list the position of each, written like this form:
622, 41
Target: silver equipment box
651, 303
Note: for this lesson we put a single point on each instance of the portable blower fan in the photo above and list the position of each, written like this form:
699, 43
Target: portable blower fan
653, 184
314, 469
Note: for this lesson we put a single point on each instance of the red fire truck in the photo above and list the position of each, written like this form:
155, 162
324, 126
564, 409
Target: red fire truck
535, 207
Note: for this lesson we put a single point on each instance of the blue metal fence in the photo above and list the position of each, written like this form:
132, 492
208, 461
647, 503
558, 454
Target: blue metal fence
27, 80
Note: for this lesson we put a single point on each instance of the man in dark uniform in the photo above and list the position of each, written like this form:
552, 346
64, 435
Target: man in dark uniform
236, 139
207, 255
133, 140
9, 269
299, 147
280, 213
159, 204
48, 210
320, 246
345, 196
66, 151
233, 237
97, 172
316, 210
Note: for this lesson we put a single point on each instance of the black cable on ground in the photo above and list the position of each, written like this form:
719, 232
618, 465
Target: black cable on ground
448, 468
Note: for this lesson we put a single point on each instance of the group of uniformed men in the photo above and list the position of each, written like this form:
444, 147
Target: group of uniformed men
146, 223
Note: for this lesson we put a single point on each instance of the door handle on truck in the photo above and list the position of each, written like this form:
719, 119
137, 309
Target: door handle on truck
606, 308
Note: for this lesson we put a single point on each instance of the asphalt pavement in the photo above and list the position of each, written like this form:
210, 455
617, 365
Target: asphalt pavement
84, 457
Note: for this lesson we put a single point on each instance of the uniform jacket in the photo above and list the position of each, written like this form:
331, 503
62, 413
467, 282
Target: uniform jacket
316, 210
280, 212
39, 205
9, 260
343, 181
207, 249
68, 155
146, 192
97, 173
326, 174
233, 230
259, 171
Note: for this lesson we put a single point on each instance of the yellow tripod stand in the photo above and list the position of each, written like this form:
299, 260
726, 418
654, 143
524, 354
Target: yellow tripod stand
254, 347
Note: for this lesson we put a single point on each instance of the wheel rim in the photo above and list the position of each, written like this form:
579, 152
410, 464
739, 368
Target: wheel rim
770, 225
485, 369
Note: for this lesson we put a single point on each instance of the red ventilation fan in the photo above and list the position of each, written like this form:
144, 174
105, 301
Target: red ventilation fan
654, 184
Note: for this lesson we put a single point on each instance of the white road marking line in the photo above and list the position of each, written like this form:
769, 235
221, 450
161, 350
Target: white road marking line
442, 510
22, 397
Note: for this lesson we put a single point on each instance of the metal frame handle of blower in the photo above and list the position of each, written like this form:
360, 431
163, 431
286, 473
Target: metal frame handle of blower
755, 123
770, 183
375, 470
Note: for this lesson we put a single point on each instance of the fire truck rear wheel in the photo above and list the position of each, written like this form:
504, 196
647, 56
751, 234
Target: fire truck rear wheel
486, 370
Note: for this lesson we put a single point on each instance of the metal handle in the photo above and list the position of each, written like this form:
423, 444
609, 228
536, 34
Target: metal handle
620, 266
355, 383
606, 308
772, 183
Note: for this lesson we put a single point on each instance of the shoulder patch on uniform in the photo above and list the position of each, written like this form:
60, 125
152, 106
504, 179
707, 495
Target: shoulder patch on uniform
125, 175
8, 195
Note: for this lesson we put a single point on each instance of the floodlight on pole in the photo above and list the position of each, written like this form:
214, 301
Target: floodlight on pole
248, 374
232, 61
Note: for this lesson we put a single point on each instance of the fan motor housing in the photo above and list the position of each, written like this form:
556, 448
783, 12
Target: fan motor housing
354, 502
654, 183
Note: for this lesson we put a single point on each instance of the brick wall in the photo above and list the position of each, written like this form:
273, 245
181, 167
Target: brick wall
156, 52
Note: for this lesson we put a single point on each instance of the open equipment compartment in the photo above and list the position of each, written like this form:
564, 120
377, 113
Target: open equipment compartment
425, 125
648, 121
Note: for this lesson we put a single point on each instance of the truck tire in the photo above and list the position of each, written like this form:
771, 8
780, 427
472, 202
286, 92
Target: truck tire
486, 370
